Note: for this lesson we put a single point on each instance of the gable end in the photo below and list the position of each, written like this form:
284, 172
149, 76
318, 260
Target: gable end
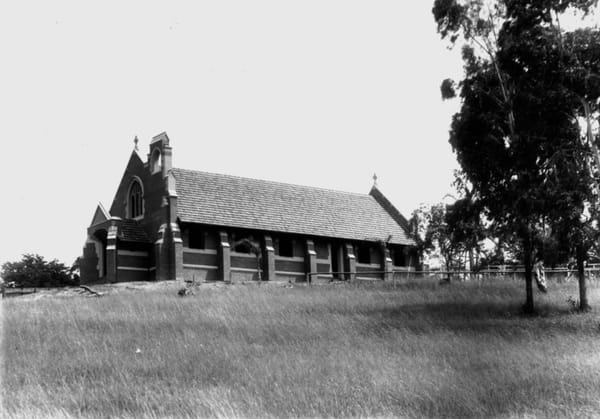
389, 208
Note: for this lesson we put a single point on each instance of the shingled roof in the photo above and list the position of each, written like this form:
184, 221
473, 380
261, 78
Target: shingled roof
131, 230
224, 200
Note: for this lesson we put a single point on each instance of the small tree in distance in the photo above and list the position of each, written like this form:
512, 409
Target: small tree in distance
452, 232
440, 237
34, 271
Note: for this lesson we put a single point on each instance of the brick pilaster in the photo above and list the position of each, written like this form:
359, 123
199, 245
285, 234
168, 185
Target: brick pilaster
349, 262
111, 254
311, 260
161, 254
224, 252
176, 265
387, 264
269, 259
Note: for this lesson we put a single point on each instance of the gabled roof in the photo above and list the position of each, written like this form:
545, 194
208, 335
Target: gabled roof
224, 200
100, 215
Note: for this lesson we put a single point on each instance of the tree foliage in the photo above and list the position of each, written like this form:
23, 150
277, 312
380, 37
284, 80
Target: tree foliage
417, 225
451, 232
517, 136
34, 271
439, 236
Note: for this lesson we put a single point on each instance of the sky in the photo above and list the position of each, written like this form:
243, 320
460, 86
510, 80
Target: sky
321, 93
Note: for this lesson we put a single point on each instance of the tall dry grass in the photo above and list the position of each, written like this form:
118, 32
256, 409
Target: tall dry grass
415, 350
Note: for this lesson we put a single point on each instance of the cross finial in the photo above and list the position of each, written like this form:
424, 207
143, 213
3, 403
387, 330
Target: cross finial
374, 179
135, 141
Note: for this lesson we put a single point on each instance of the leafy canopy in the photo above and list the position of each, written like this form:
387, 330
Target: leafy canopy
517, 136
34, 271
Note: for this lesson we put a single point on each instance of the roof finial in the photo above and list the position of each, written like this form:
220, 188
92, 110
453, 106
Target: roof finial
374, 179
135, 141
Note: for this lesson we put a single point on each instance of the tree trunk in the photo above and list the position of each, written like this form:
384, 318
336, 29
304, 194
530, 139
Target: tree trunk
583, 300
528, 307
471, 263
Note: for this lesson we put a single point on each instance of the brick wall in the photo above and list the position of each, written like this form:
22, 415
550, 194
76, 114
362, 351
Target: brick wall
88, 264
191, 257
154, 191
288, 265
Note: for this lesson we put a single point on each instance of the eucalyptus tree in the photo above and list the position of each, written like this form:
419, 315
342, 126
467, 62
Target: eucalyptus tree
516, 136
580, 50
466, 228
439, 236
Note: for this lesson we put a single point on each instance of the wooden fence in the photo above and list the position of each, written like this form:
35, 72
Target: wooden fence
15, 291
491, 273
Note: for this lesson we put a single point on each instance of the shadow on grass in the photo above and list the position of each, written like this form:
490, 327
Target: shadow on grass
481, 318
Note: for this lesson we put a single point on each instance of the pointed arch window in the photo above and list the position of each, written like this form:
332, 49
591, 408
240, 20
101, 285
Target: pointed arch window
136, 200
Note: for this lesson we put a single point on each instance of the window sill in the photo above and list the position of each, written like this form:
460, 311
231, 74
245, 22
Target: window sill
244, 255
202, 251
290, 258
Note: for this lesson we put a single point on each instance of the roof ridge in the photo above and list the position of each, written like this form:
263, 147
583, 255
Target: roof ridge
364, 195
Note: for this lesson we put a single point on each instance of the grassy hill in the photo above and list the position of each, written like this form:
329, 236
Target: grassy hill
412, 350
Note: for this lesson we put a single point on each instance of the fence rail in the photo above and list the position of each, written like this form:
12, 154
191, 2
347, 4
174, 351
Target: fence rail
557, 274
13, 291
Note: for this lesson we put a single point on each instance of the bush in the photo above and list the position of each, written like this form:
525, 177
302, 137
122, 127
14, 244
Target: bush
34, 271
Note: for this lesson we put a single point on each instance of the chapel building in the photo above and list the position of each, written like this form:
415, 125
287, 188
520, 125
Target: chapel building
170, 223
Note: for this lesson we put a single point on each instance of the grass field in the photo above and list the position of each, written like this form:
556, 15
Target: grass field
419, 349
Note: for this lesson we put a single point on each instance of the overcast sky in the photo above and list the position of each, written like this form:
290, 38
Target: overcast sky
322, 93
